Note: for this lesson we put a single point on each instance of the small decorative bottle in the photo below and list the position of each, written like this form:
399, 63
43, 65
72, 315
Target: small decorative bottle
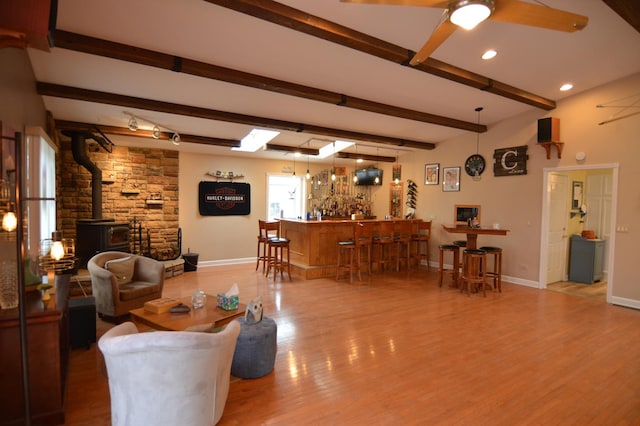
198, 299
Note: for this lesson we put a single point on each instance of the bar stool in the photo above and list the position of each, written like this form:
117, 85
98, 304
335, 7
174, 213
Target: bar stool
263, 237
402, 238
276, 247
461, 244
422, 235
496, 273
473, 263
454, 267
362, 238
384, 240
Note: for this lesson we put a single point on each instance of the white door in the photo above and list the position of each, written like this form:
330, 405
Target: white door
558, 192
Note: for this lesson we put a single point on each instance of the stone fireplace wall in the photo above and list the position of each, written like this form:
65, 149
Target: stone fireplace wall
139, 185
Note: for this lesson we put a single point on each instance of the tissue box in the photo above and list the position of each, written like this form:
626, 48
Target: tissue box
228, 303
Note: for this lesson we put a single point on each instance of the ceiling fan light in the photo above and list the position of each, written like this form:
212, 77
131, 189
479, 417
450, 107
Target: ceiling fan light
469, 13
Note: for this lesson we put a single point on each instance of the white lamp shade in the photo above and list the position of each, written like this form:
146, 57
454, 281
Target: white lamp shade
468, 14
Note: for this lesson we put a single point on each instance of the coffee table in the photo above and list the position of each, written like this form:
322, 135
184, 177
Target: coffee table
209, 314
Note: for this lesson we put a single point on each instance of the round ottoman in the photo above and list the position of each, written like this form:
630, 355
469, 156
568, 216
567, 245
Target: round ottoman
255, 352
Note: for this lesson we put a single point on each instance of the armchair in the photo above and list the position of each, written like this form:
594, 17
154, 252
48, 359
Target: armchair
118, 292
168, 377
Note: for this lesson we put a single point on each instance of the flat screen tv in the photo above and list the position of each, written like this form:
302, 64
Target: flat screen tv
368, 177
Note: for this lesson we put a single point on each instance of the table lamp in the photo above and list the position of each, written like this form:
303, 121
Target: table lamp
57, 255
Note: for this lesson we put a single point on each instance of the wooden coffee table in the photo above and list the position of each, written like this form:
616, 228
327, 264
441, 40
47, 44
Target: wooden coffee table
209, 314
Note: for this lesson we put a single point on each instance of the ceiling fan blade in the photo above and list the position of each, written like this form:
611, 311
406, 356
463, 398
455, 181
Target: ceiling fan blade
519, 12
425, 3
439, 35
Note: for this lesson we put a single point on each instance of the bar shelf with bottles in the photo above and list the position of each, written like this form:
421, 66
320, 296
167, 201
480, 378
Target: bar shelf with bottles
337, 199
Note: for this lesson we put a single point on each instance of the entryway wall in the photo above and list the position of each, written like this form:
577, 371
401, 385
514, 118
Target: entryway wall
599, 198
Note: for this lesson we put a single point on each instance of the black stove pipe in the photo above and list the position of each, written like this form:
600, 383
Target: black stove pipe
79, 150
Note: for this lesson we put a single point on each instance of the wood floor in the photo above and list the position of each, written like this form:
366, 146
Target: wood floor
396, 349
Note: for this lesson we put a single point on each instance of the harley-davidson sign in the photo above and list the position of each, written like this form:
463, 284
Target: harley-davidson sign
224, 198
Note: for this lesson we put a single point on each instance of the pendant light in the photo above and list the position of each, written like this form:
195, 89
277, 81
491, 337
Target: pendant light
397, 170
333, 170
355, 174
377, 179
308, 175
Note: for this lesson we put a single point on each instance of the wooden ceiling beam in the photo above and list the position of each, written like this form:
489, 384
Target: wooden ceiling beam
628, 10
95, 46
298, 20
59, 91
76, 126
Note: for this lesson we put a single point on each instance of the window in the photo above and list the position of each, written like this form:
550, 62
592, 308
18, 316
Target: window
40, 188
285, 197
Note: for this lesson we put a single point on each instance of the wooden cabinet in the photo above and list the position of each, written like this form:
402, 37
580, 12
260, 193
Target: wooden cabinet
587, 260
48, 346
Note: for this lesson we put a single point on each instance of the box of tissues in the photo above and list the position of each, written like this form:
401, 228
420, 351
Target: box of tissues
229, 300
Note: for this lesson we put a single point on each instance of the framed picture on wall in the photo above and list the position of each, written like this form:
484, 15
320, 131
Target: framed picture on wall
432, 174
451, 179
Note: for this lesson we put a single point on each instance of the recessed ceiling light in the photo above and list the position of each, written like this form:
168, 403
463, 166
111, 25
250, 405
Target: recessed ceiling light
566, 86
489, 54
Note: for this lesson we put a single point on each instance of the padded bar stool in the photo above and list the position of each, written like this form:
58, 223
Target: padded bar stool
263, 238
420, 237
473, 263
384, 240
496, 273
455, 266
362, 238
276, 247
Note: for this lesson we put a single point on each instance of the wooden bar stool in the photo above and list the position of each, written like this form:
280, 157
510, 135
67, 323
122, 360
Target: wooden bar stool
402, 238
420, 237
276, 247
496, 273
263, 239
453, 249
362, 239
473, 263
383, 239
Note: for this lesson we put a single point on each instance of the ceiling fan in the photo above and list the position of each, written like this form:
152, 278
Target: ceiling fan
469, 13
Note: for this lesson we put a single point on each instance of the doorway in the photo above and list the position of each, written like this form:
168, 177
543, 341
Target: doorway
549, 224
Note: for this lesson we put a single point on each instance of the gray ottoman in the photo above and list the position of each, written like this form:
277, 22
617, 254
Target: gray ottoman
255, 352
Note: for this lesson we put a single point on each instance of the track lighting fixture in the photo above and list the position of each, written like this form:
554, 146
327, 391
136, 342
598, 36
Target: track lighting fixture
133, 124
175, 138
156, 131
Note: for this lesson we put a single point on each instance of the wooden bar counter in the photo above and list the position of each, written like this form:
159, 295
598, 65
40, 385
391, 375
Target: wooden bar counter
314, 244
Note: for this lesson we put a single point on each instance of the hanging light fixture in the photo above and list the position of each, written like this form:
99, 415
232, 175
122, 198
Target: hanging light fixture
355, 169
333, 170
377, 179
469, 13
9, 220
308, 175
397, 171
475, 164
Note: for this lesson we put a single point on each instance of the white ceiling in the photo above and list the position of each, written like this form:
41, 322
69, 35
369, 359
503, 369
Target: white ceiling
531, 59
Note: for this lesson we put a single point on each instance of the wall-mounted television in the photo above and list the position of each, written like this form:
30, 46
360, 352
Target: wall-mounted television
368, 176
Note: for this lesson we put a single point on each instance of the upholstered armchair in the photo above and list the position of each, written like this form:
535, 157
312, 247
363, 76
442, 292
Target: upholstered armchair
168, 377
123, 281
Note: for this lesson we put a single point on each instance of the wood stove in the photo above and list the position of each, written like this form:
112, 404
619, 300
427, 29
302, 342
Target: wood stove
95, 236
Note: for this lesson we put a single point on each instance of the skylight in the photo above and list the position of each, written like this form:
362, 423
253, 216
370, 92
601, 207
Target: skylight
329, 150
256, 139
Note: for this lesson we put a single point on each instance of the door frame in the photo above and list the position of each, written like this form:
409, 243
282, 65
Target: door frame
544, 228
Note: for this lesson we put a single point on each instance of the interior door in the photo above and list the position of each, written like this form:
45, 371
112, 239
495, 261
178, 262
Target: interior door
558, 189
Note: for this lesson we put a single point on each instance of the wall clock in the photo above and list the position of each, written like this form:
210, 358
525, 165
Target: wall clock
474, 164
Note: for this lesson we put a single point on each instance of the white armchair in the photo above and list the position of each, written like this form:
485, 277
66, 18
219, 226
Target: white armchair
168, 377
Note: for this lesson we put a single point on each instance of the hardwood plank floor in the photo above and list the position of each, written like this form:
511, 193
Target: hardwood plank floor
397, 349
